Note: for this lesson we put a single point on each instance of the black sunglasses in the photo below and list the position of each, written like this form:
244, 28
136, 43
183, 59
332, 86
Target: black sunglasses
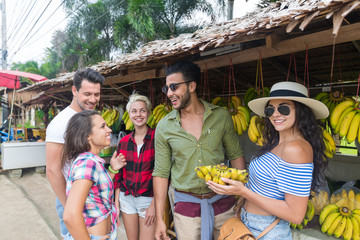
172, 86
283, 110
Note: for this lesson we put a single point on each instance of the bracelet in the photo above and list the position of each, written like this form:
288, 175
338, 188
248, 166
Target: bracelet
111, 170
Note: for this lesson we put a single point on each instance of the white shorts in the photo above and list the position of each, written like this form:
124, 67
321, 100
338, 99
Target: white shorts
134, 205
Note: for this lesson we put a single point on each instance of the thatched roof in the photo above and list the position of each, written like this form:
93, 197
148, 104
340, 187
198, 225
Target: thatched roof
288, 18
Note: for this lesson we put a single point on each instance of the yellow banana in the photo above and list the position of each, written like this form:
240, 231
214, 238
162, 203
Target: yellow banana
340, 228
330, 140
351, 199
246, 113
215, 179
199, 173
226, 173
347, 234
234, 122
204, 170
237, 100
310, 209
346, 111
238, 124
252, 135
357, 201
213, 171
345, 124
242, 121
208, 177
328, 221
252, 125
156, 109
353, 129
356, 231
216, 100
234, 174
221, 182
334, 225
242, 174
326, 211
336, 113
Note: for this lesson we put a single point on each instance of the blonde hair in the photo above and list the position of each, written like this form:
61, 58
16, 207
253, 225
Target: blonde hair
135, 97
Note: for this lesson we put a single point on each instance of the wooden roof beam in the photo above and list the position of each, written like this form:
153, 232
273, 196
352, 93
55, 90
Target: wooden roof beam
347, 33
149, 74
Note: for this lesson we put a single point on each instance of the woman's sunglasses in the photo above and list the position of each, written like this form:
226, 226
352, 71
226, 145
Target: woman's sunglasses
172, 86
283, 110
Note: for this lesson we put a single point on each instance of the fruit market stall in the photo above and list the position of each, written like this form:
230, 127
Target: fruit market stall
315, 42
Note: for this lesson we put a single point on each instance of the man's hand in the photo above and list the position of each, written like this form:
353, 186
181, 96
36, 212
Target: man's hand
160, 230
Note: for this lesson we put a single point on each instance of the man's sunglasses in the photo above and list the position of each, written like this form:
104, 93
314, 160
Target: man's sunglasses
172, 86
283, 110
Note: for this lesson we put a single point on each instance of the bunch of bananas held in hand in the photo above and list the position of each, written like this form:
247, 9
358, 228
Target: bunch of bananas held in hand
127, 121
216, 172
330, 147
331, 99
110, 116
320, 200
158, 113
345, 120
338, 220
253, 93
310, 211
256, 128
239, 114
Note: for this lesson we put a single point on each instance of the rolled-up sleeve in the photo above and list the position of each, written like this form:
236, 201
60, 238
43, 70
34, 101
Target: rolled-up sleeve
163, 160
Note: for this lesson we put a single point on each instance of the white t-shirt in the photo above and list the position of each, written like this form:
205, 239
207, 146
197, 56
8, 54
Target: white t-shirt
55, 132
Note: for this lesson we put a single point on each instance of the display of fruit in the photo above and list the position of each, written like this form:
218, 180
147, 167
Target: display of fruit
158, 113
310, 211
110, 115
216, 172
239, 114
331, 99
319, 200
340, 221
256, 128
352, 200
253, 93
128, 123
330, 146
345, 120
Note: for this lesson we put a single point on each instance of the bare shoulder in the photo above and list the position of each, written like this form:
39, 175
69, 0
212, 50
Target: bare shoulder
298, 151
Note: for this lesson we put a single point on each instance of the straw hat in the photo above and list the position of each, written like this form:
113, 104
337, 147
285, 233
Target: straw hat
291, 91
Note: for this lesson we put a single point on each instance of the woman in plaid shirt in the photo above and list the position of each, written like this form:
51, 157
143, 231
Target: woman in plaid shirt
133, 185
89, 211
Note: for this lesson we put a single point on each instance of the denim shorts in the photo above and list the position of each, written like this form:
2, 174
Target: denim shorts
257, 223
132, 205
60, 212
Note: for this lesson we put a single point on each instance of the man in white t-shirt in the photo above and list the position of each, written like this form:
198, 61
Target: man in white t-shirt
86, 95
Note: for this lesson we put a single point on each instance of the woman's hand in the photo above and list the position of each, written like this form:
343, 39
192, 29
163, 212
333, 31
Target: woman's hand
150, 214
117, 161
234, 187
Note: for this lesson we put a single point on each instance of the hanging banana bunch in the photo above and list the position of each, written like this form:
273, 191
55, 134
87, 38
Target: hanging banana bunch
345, 120
239, 114
256, 128
158, 113
127, 121
310, 210
110, 116
253, 93
331, 99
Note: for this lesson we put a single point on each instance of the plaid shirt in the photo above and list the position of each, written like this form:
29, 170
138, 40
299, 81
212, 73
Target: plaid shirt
98, 204
136, 177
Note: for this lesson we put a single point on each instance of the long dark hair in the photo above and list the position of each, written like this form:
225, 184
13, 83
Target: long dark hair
76, 135
311, 129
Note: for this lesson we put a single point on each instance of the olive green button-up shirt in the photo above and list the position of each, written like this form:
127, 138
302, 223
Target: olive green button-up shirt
178, 153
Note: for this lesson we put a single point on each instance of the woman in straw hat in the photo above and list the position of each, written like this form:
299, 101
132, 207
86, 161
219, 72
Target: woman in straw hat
289, 165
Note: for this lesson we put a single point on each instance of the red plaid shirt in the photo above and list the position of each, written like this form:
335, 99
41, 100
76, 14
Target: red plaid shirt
136, 177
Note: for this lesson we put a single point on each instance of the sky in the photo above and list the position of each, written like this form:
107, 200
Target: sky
30, 25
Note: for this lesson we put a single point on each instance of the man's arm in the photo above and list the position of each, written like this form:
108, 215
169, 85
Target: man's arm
238, 163
53, 170
160, 187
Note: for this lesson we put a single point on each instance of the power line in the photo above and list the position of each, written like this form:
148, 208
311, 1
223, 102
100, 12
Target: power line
35, 23
25, 17
43, 25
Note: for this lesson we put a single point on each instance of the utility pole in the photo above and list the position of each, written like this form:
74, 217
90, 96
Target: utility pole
3, 34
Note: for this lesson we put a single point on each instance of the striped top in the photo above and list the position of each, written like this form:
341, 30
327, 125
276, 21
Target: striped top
272, 177
99, 204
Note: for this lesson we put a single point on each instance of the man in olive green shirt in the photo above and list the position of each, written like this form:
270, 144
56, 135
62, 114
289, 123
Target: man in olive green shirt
195, 133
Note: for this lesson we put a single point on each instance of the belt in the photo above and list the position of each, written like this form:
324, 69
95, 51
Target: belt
200, 196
